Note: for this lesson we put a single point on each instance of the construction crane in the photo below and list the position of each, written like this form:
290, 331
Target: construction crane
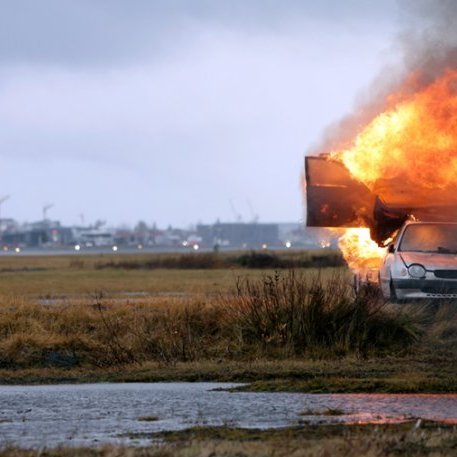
46, 208
237, 215
3, 200
255, 216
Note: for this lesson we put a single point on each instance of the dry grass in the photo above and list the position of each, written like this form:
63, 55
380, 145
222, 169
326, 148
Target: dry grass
67, 282
116, 274
274, 317
418, 372
317, 441
196, 325
213, 260
308, 316
288, 258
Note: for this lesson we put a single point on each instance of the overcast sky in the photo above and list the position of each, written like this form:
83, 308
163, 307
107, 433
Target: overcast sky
167, 111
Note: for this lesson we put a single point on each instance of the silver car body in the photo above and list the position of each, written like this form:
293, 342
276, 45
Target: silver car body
401, 276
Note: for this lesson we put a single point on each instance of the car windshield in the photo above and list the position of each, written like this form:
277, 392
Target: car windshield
437, 238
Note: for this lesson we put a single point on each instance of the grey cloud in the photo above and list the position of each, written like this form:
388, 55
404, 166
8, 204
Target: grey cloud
166, 110
99, 32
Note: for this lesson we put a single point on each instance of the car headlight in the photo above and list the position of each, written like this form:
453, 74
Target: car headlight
416, 271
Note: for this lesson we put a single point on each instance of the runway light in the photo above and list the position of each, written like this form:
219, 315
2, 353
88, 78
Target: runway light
114, 248
264, 246
140, 246
196, 247
18, 250
185, 243
77, 247
288, 244
324, 244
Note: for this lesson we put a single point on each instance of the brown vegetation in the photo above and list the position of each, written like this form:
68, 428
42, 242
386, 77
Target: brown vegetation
411, 439
253, 259
277, 317
298, 330
157, 274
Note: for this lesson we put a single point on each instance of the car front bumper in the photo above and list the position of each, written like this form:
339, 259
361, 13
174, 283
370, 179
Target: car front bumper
425, 288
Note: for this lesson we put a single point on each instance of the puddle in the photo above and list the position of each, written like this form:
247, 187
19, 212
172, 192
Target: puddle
93, 414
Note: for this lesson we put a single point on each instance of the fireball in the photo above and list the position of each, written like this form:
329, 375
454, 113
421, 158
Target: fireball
406, 156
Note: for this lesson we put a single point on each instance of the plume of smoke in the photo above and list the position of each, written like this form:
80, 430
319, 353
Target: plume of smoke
428, 46
430, 43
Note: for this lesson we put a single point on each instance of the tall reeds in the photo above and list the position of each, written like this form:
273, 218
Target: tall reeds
279, 316
293, 315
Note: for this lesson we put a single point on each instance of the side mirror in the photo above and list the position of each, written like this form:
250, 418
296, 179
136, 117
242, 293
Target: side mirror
390, 248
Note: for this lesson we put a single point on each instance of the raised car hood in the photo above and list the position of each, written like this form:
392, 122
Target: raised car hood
335, 199
431, 261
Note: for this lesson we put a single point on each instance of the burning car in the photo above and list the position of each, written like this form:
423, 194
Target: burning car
401, 165
421, 263
335, 198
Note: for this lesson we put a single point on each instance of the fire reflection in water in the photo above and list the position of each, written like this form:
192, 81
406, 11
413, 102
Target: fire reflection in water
384, 409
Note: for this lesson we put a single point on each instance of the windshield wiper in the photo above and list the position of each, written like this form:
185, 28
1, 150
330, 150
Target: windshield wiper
444, 250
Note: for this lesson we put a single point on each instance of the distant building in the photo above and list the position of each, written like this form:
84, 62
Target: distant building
254, 235
8, 225
37, 234
171, 237
96, 237
31, 237
239, 234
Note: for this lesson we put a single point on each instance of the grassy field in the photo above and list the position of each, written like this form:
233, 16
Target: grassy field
51, 276
284, 322
423, 372
207, 317
409, 439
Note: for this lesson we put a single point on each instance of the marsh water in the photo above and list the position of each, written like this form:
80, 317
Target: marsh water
94, 414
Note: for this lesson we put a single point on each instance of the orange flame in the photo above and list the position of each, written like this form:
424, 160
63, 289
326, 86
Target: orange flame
360, 251
407, 153
414, 142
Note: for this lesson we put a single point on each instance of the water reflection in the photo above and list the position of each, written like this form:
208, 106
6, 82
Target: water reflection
36, 416
386, 408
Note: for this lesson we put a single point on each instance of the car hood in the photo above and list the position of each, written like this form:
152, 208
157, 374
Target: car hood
430, 260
